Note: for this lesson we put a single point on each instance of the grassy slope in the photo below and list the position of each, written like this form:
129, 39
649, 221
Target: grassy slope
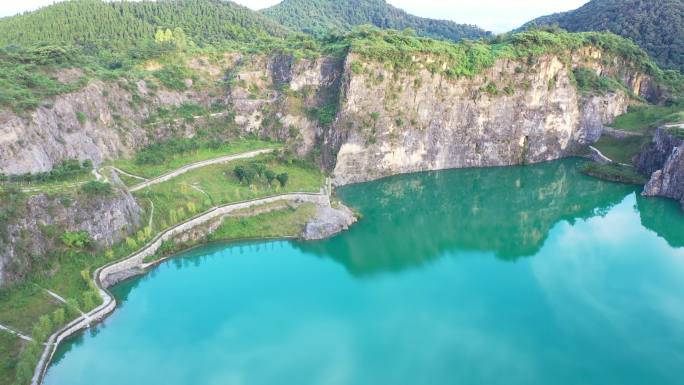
613, 172
285, 222
621, 150
151, 171
645, 117
219, 186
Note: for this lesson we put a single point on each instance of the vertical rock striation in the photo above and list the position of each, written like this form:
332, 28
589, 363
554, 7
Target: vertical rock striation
663, 160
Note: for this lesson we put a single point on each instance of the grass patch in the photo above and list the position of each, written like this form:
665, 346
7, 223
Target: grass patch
280, 223
677, 132
278, 219
200, 189
10, 348
174, 161
613, 172
645, 117
621, 150
71, 185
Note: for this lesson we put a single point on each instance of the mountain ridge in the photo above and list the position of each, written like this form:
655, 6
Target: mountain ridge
656, 25
320, 16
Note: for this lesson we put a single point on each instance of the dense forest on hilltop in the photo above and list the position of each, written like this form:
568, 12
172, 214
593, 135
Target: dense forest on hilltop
656, 25
102, 24
109, 40
321, 16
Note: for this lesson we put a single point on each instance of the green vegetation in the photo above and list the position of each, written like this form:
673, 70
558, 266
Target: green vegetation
97, 188
470, 58
282, 221
589, 82
614, 172
103, 25
621, 150
203, 188
656, 25
25, 78
66, 170
160, 158
320, 17
676, 132
78, 239
641, 118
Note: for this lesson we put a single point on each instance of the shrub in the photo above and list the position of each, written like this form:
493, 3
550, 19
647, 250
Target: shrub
97, 188
77, 239
270, 176
173, 77
81, 117
588, 81
282, 179
491, 89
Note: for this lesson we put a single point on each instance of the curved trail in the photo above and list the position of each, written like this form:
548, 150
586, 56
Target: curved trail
120, 171
16, 333
136, 262
204, 163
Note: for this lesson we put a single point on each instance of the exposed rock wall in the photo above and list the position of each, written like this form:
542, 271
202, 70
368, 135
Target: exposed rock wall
267, 96
663, 160
393, 123
28, 239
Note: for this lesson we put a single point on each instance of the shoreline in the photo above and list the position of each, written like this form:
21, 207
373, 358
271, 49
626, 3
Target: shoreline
133, 265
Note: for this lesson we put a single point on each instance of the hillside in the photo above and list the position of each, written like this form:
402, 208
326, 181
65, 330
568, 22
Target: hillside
98, 24
319, 16
656, 25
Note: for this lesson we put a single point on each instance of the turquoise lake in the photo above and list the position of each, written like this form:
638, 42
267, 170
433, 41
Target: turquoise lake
520, 275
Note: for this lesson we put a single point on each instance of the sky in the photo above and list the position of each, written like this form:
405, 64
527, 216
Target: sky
492, 15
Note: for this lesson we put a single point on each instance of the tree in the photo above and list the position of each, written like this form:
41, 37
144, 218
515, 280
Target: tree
58, 317
283, 178
239, 172
270, 176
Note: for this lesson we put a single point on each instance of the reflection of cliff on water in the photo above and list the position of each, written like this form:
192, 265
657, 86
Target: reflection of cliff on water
412, 219
664, 217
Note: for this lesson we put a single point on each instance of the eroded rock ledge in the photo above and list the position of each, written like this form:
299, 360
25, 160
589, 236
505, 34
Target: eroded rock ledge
663, 160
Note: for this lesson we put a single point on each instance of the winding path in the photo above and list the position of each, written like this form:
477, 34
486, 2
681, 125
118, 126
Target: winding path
204, 163
136, 262
16, 333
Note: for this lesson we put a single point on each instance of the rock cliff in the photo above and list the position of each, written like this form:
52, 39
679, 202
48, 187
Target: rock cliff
33, 234
393, 123
237, 94
663, 160
366, 119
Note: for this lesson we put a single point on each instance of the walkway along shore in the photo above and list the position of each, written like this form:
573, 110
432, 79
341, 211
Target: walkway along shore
136, 261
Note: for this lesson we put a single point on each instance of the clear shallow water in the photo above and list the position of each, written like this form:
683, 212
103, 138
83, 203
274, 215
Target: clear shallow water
526, 275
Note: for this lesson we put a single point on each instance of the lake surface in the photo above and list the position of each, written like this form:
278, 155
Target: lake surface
522, 275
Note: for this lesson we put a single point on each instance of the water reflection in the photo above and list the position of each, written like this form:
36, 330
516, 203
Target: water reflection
506, 211
665, 217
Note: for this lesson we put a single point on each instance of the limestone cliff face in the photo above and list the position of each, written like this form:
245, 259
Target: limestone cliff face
29, 238
663, 160
267, 96
387, 122
397, 123
102, 121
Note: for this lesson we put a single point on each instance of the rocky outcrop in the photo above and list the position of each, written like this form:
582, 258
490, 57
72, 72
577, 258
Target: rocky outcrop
663, 160
328, 221
30, 238
243, 94
392, 123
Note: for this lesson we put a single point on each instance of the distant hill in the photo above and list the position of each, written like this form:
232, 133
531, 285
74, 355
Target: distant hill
656, 25
318, 16
102, 24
